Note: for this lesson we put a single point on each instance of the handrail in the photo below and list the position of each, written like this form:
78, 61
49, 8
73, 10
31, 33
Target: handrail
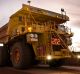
63, 43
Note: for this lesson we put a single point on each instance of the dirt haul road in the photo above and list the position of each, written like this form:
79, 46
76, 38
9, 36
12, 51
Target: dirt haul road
41, 70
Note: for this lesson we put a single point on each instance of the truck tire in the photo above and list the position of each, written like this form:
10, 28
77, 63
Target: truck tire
3, 56
56, 63
21, 56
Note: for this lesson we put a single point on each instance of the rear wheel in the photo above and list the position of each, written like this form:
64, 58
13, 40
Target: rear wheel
21, 55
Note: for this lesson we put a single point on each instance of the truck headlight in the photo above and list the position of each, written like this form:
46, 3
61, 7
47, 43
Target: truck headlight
49, 57
78, 56
1, 44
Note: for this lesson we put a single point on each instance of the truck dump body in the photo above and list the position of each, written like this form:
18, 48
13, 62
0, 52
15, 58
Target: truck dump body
38, 14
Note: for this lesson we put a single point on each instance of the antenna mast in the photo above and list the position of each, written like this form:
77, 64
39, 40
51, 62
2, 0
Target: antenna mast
29, 2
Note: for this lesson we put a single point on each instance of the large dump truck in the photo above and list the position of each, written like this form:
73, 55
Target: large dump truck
33, 36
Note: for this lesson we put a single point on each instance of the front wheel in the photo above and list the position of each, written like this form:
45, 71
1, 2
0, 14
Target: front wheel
21, 56
56, 63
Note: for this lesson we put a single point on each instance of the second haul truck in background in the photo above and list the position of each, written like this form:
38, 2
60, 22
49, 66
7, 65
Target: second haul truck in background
34, 35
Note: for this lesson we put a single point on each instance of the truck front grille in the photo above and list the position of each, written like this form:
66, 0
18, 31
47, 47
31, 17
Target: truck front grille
56, 47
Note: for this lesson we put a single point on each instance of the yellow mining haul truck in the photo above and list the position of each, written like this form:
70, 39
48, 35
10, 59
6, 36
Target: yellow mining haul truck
34, 36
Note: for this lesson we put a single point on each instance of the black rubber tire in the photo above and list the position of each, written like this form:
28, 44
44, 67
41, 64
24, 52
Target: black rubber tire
56, 63
25, 56
3, 56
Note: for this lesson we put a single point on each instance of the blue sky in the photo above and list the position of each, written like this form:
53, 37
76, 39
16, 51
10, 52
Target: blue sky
8, 7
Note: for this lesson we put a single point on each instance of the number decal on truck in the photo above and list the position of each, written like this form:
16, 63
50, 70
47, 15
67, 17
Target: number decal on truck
55, 41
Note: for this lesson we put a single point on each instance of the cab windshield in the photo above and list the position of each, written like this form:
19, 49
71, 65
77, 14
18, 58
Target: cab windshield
61, 27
